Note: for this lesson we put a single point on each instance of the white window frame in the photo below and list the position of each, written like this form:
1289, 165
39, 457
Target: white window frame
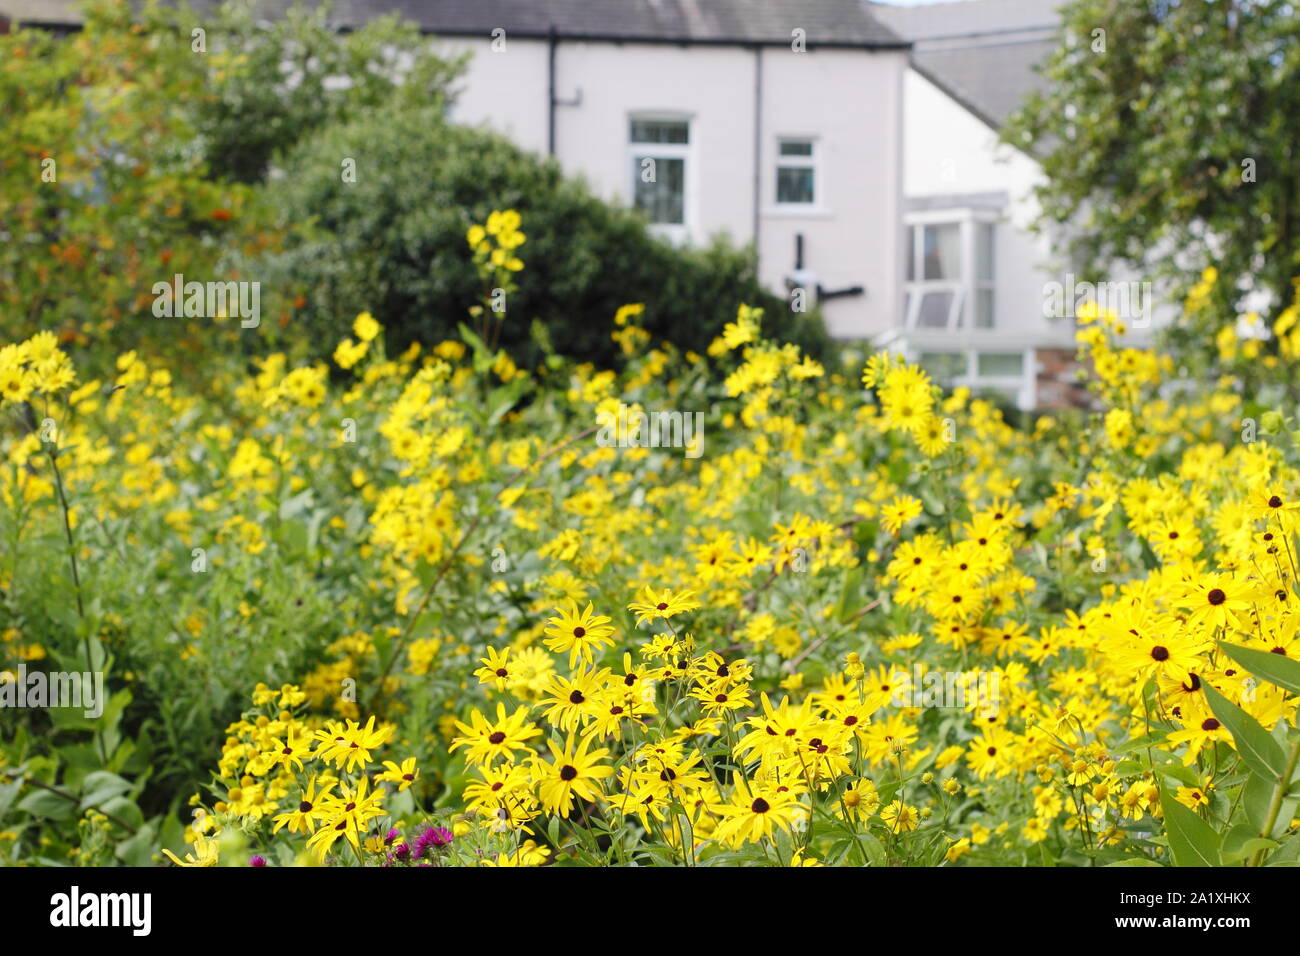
811, 162
1021, 388
964, 288
678, 233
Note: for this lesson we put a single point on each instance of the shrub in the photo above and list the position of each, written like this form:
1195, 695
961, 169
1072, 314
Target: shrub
394, 243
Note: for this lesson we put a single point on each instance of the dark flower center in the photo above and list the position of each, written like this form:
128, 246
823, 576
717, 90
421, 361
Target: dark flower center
760, 805
567, 772
1160, 653
576, 697
497, 737
1216, 596
1275, 502
1210, 724
579, 632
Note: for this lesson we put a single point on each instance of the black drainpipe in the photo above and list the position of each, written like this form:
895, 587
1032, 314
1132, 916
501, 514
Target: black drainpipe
758, 141
550, 99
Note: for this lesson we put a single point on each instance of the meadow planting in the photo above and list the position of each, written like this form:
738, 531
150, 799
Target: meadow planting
435, 608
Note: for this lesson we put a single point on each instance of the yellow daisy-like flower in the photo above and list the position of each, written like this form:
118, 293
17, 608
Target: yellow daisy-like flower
651, 605
365, 327
403, 775
205, 854
899, 512
580, 634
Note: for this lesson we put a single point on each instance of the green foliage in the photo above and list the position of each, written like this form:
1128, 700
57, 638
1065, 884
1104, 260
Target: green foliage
101, 194
1174, 145
394, 243
135, 148
1268, 794
275, 84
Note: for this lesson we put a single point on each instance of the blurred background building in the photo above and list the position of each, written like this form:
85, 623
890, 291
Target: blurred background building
853, 144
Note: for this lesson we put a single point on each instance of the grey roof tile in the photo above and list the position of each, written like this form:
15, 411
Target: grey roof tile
826, 22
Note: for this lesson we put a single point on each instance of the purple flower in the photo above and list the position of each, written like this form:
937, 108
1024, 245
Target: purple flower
256, 860
431, 837
402, 852
391, 836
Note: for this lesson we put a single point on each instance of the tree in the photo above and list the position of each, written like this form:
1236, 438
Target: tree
101, 194
1167, 135
137, 149
274, 84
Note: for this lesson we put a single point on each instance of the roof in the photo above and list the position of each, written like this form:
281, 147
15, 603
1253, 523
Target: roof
40, 12
983, 53
845, 23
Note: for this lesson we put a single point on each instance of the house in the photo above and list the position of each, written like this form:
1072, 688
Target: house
57, 16
775, 122
854, 144
979, 284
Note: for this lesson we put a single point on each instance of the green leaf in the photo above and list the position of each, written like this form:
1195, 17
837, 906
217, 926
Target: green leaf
138, 850
1259, 751
1136, 861
1192, 841
124, 810
1274, 668
505, 398
43, 803
1242, 841
1288, 853
848, 594
875, 850
1183, 774
293, 536
100, 786
1257, 798
538, 332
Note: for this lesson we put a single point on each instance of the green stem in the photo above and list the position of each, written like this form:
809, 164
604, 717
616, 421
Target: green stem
1275, 805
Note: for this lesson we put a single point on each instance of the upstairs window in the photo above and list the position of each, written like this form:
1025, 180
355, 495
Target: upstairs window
660, 151
796, 172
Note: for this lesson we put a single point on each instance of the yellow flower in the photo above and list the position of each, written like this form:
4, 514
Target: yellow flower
205, 854
365, 327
